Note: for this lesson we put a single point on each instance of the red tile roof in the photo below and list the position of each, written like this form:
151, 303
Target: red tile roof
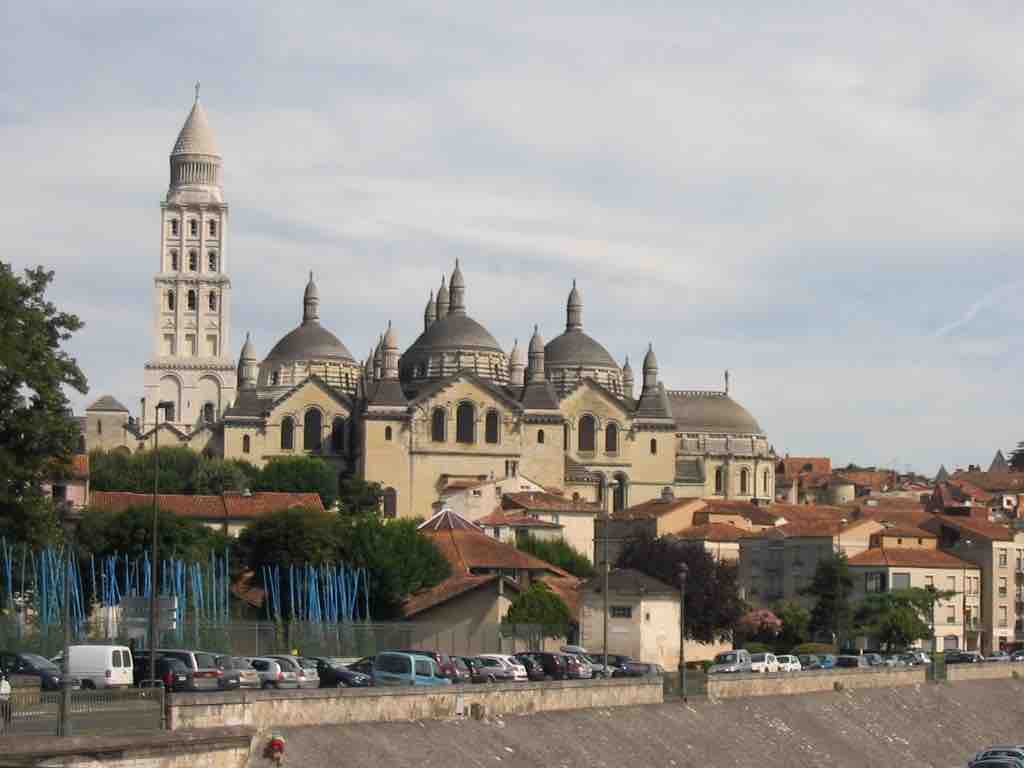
906, 531
230, 507
541, 501
875, 479
794, 466
815, 528
653, 509
758, 514
909, 558
993, 482
450, 588
447, 520
973, 525
569, 589
501, 517
715, 532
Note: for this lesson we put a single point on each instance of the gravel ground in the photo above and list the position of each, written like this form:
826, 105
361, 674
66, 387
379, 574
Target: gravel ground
927, 725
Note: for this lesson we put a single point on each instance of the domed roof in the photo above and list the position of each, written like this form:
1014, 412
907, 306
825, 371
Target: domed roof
574, 347
310, 341
451, 333
196, 136
711, 412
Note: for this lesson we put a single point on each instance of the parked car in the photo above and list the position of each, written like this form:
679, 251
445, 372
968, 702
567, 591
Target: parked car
34, 665
517, 672
478, 672
998, 762
873, 659
617, 660
444, 663
730, 662
808, 662
789, 663
893, 661
998, 656
274, 674
576, 668
398, 668
238, 673
1000, 752
204, 674
172, 673
964, 657
363, 665
763, 662
851, 662
334, 674
534, 671
639, 669
826, 661
304, 669
1017, 656
597, 668
917, 658
553, 664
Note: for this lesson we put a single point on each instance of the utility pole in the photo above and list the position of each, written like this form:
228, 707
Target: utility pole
604, 587
683, 571
69, 518
162, 405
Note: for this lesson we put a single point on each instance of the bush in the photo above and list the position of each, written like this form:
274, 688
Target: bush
814, 648
757, 648
558, 552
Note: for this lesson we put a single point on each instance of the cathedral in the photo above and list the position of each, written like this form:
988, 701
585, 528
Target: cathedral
450, 410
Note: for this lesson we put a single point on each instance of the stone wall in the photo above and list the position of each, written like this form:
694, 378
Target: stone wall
989, 671
213, 748
331, 706
786, 684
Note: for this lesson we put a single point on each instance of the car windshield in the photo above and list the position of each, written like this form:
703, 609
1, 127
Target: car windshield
39, 662
205, 661
238, 663
757, 657
490, 662
725, 658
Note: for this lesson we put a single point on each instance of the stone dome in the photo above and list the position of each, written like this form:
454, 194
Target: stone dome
310, 341
574, 355
716, 412
577, 348
450, 335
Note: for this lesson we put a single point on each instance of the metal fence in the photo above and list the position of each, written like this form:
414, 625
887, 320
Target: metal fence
37, 713
353, 640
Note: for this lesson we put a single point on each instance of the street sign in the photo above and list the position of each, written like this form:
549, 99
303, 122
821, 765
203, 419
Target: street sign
135, 612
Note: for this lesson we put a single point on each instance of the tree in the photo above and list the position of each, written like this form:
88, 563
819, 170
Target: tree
795, 623
300, 474
558, 552
358, 497
713, 602
540, 606
35, 429
292, 537
217, 476
130, 533
831, 588
399, 559
759, 625
899, 618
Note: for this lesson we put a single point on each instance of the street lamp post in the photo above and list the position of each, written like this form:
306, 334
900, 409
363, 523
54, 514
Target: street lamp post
606, 567
931, 593
69, 518
683, 571
163, 405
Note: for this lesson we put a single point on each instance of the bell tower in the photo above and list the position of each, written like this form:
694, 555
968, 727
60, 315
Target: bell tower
190, 366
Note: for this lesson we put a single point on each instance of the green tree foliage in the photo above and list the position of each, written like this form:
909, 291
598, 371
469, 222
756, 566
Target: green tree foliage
130, 533
831, 588
36, 432
560, 553
713, 602
899, 618
358, 497
796, 622
300, 474
398, 558
217, 476
539, 605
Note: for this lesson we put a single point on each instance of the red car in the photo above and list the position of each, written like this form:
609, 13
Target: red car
576, 668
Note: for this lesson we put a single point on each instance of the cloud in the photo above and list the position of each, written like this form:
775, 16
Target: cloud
818, 199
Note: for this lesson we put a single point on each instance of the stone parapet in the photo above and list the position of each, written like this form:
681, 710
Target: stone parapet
790, 683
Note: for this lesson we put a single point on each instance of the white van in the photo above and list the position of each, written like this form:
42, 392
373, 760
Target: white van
101, 666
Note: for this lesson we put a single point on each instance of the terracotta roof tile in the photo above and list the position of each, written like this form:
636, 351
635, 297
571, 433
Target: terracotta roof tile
654, 508
815, 528
447, 590
201, 507
569, 589
501, 517
715, 532
906, 531
974, 525
546, 502
469, 549
909, 558
758, 514
794, 466
992, 481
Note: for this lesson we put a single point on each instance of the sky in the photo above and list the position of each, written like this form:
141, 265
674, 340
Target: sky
822, 198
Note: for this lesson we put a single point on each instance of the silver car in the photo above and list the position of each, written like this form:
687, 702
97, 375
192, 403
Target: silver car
274, 674
305, 670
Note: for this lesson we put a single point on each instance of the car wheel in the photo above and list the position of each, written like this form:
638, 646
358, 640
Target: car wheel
88, 685
490, 679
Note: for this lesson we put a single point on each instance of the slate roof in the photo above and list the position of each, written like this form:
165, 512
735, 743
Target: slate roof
387, 392
630, 582
899, 557
107, 403
539, 396
654, 404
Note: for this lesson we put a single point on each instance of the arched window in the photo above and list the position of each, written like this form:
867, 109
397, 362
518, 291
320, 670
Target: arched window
438, 421
387, 434
312, 430
338, 435
619, 493
213, 227
611, 439
491, 427
744, 481
586, 438
719, 480
654, 446
213, 301
174, 261
169, 413
764, 483
208, 413
191, 301
170, 300
464, 426
287, 433
565, 436
99, 424
174, 227
211, 260
540, 437
193, 261
390, 502
246, 443
193, 228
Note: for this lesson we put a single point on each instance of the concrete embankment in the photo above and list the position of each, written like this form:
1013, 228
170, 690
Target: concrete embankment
920, 725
